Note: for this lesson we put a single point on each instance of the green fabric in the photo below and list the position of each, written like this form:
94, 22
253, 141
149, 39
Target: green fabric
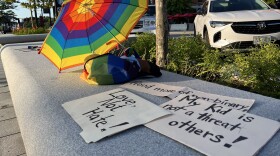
99, 70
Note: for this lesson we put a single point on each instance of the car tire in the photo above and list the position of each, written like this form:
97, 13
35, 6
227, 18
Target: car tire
206, 37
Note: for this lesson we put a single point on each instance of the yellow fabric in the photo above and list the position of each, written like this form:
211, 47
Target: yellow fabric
51, 55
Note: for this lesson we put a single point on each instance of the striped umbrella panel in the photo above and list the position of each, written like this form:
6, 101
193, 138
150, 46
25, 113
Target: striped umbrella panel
90, 26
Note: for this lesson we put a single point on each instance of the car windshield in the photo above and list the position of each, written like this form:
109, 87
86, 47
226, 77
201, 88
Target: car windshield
237, 5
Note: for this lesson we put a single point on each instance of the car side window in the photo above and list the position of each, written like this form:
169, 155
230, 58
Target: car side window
205, 8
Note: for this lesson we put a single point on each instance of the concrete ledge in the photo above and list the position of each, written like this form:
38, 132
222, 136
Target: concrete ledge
38, 91
10, 38
179, 27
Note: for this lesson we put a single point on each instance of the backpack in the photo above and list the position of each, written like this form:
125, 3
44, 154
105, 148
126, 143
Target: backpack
108, 69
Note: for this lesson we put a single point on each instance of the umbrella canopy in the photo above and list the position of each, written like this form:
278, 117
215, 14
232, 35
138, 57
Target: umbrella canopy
90, 26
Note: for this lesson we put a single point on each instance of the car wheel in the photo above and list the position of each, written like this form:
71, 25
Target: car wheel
206, 36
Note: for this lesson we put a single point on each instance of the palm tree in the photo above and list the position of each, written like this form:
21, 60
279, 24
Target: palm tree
161, 33
6, 14
29, 6
46, 4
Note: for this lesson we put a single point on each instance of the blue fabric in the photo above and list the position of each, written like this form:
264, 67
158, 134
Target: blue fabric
116, 71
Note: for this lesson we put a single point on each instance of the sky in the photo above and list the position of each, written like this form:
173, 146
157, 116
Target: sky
23, 12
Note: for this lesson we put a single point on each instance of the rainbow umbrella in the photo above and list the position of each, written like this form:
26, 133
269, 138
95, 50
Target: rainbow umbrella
90, 26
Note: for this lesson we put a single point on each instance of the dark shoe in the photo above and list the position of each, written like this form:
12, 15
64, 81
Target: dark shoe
154, 70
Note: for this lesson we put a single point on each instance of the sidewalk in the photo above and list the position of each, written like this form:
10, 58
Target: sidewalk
11, 143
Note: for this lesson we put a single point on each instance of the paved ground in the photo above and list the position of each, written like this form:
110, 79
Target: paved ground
11, 143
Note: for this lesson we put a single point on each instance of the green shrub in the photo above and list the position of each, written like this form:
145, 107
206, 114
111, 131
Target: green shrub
26, 31
256, 70
259, 69
210, 67
143, 44
184, 53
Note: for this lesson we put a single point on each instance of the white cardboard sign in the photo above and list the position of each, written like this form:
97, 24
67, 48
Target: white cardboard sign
152, 88
231, 102
111, 112
214, 129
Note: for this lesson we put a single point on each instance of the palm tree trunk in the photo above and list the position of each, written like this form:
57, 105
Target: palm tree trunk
35, 11
161, 33
31, 12
50, 16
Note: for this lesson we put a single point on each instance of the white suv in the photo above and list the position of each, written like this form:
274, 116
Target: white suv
237, 23
147, 23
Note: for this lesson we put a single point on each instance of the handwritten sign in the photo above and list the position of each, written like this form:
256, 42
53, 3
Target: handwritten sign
231, 102
111, 112
214, 129
152, 88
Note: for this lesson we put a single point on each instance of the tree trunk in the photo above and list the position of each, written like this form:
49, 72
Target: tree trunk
50, 16
161, 33
55, 10
35, 11
31, 17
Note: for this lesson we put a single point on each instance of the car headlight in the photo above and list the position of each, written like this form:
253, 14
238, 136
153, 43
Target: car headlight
215, 24
149, 23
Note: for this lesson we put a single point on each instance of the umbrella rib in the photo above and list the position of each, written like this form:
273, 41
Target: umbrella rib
86, 22
64, 19
108, 30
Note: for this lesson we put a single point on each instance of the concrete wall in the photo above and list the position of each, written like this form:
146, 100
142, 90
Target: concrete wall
10, 38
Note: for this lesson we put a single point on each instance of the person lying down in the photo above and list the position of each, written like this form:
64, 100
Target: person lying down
110, 69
